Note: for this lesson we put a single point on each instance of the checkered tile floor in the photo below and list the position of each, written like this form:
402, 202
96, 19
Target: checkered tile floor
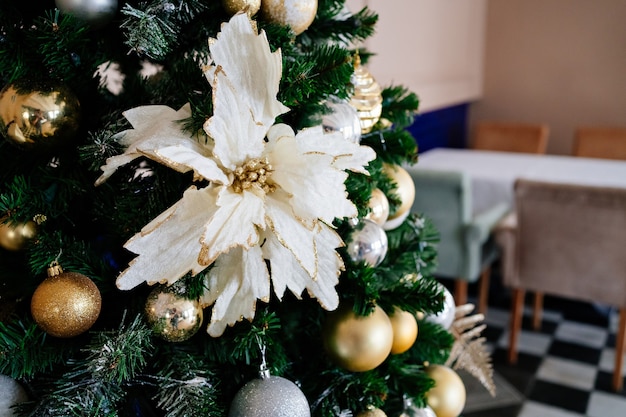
565, 368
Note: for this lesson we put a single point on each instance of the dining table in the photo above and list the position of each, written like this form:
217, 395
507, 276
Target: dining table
493, 174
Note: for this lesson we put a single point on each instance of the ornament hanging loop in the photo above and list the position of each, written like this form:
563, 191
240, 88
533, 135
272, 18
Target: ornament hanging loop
264, 372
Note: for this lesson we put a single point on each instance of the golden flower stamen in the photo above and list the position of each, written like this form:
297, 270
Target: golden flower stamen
254, 173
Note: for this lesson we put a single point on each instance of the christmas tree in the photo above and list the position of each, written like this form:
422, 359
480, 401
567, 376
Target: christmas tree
205, 213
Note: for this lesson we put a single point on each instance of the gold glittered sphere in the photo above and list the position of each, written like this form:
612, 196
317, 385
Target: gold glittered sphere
357, 343
379, 207
66, 304
372, 412
16, 236
405, 330
297, 14
172, 316
38, 117
251, 7
367, 97
405, 188
447, 397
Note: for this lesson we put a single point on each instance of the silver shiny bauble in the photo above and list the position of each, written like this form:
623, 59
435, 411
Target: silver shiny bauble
94, 12
269, 396
342, 118
410, 410
446, 316
172, 316
367, 242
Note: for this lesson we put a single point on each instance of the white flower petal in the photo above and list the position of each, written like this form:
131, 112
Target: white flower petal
183, 158
237, 280
237, 136
253, 69
234, 223
168, 246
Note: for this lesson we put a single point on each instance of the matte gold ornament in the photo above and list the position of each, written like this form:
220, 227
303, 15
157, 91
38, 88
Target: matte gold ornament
447, 397
172, 316
367, 97
357, 343
379, 207
38, 117
372, 411
405, 330
65, 304
235, 6
16, 236
297, 14
405, 188
95, 12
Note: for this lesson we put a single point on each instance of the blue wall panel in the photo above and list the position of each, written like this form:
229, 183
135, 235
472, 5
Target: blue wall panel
444, 128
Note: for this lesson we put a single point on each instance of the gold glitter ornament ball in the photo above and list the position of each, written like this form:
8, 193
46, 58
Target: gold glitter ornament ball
447, 397
172, 316
38, 117
367, 97
233, 7
372, 412
357, 343
297, 14
15, 237
65, 304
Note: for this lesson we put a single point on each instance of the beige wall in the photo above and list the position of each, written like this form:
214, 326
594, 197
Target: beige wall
562, 62
432, 47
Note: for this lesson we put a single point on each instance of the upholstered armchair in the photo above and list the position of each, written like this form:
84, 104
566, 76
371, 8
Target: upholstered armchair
466, 246
567, 241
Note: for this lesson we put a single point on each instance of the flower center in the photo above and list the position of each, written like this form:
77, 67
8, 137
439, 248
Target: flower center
254, 173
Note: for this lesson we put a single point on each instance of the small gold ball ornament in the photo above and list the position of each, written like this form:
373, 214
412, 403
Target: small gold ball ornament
372, 411
357, 343
297, 14
405, 330
15, 237
379, 207
172, 316
447, 397
232, 7
37, 117
405, 191
367, 97
65, 304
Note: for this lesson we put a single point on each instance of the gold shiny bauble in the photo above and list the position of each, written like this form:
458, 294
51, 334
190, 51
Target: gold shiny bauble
15, 237
297, 14
405, 330
372, 412
367, 97
172, 316
405, 189
379, 207
66, 304
447, 397
38, 117
357, 343
234, 6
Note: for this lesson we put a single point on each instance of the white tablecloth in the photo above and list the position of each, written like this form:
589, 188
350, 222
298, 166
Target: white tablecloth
493, 173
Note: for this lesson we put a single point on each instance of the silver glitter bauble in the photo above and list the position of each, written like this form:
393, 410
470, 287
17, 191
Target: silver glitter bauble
446, 316
367, 242
11, 393
269, 396
342, 118
94, 12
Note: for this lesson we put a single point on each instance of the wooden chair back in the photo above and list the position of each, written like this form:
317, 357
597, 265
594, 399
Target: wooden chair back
511, 137
600, 142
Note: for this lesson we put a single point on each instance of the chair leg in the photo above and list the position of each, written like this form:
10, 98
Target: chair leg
517, 311
618, 380
460, 292
537, 310
483, 290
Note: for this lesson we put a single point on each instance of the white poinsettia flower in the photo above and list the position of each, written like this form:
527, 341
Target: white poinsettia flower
272, 194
